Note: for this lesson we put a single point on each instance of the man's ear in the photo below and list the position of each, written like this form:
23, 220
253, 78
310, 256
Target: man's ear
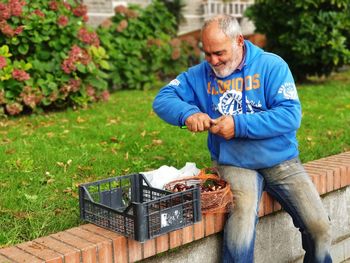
240, 40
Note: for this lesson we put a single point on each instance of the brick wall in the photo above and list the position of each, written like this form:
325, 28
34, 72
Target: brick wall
89, 243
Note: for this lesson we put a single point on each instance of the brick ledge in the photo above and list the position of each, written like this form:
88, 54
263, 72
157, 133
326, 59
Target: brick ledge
90, 243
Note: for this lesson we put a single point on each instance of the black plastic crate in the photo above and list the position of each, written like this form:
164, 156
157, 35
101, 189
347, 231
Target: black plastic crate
129, 206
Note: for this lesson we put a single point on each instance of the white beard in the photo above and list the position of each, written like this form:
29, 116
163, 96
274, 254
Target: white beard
226, 71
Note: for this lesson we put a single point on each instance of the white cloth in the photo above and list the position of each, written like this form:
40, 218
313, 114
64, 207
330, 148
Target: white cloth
165, 174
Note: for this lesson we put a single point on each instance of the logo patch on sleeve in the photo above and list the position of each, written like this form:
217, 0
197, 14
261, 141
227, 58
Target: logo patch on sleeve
288, 91
174, 82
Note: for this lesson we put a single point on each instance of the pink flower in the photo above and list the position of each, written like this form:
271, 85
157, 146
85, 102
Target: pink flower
5, 11
76, 54
72, 86
16, 7
80, 10
87, 37
20, 75
120, 9
64, 90
90, 91
39, 13
53, 5
62, 20
53, 96
132, 14
79, 54
6, 29
18, 30
105, 95
68, 65
75, 84
31, 97
122, 25
157, 42
176, 54
3, 62
29, 100
107, 23
67, 5
14, 108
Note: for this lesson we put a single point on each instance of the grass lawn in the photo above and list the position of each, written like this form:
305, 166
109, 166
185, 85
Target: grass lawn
45, 157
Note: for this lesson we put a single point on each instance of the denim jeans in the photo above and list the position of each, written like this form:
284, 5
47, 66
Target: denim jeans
290, 185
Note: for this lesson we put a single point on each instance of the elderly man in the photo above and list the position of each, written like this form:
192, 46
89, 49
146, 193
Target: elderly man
247, 101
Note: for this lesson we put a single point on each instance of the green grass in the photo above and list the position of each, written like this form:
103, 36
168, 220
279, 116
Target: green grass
45, 157
325, 128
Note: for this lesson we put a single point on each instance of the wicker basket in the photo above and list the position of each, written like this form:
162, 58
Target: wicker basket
215, 201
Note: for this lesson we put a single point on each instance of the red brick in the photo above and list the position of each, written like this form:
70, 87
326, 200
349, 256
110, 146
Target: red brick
261, 206
198, 230
268, 204
41, 252
323, 163
346, 163
149, 248
162, 243
16, 254
320, 181
88, 249
276, 206
339, 159
341, 167
175, 239
104, 245
70, 253
119, 241
220, 219
135, 250
187, 234
329, 175
323, 184
315, 178
209, 221
3, 259
333, 173
345, 154
120, 249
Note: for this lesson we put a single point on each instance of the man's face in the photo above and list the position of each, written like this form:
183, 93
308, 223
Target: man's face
223, 54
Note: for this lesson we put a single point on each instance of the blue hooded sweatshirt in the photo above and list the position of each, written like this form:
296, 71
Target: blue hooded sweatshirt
266, 121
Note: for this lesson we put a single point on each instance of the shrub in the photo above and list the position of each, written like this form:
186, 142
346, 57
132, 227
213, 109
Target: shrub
142, 46
312, 36
48, 56
176, 8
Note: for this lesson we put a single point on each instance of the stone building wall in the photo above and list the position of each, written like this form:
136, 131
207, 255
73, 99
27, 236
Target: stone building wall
194, 13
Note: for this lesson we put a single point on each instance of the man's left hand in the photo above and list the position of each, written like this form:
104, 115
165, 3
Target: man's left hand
223, 126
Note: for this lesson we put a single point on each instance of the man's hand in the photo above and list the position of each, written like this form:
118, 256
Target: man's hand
223, 126
198, 122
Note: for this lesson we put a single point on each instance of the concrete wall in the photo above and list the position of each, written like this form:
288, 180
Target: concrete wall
277, 239
99, 10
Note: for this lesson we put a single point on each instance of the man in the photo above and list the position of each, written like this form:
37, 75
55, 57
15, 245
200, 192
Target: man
247, 101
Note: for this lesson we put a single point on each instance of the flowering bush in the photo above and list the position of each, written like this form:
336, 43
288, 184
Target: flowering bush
48, 56
142, 46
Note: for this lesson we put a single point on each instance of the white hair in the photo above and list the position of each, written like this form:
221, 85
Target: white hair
228, 24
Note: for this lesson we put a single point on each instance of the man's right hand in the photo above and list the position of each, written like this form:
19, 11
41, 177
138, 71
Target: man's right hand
198, 122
